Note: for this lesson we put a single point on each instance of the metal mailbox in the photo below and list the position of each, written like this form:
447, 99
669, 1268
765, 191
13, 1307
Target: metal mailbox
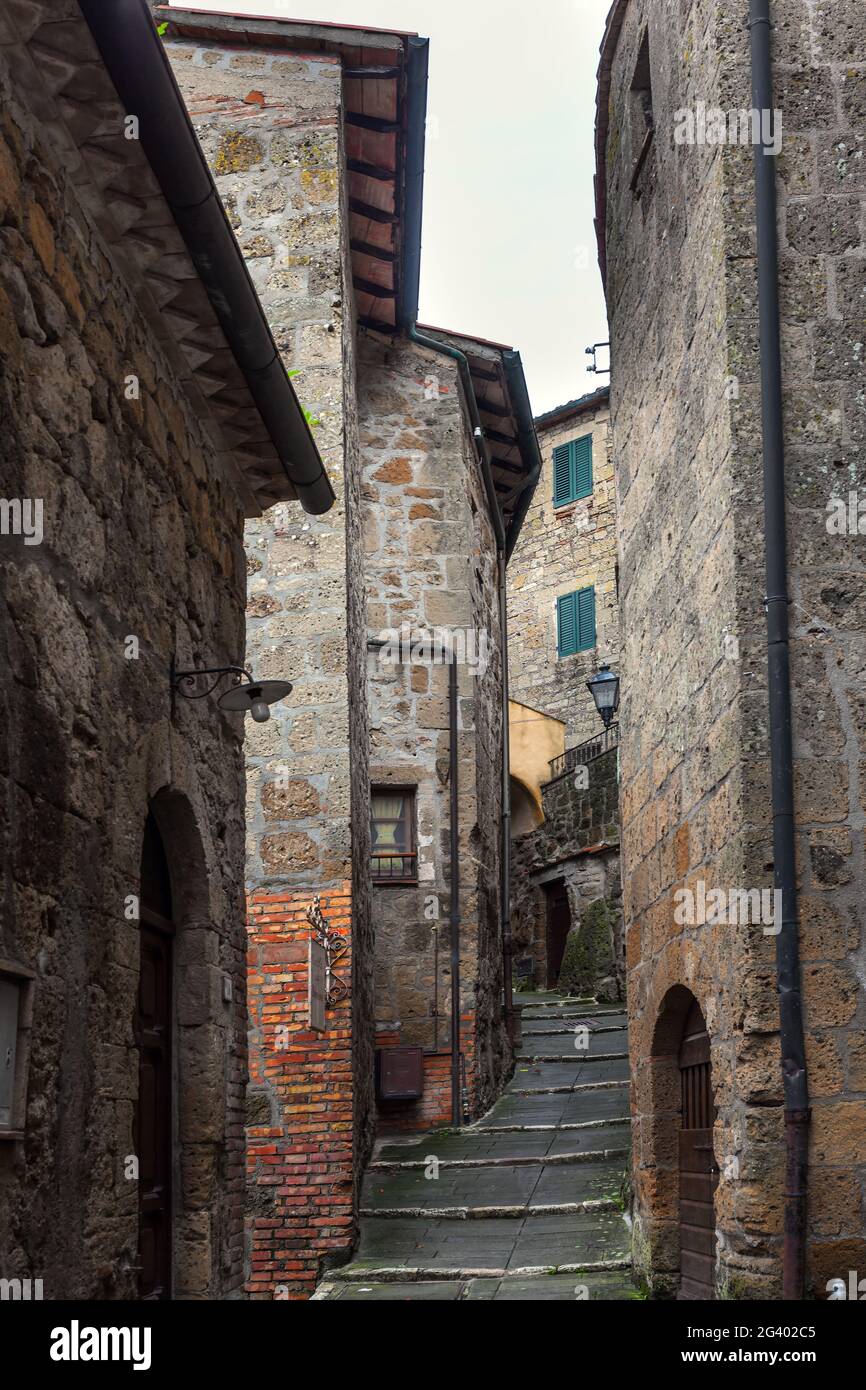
399, 1073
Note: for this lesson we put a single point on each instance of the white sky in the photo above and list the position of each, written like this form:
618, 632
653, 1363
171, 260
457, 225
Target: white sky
508, 248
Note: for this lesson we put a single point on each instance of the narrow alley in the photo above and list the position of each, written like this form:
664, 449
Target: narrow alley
525, 1203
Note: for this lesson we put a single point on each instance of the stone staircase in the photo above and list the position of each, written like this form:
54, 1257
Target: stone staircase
527, 1202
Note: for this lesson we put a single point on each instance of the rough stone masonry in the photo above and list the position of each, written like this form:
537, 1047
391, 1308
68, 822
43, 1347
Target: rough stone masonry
685, 404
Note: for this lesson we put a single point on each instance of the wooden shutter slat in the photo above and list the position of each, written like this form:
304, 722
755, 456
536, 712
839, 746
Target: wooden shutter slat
586, 618
582, 450
567, 624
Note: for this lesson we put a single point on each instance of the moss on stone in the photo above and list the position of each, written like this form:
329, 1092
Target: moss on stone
589, 958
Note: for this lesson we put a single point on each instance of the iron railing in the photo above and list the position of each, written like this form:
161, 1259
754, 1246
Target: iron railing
585, 752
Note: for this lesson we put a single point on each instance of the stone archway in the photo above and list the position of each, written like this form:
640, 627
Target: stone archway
200, 1013
665, 1177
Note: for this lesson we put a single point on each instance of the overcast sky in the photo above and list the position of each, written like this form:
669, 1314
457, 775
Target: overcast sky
509, 248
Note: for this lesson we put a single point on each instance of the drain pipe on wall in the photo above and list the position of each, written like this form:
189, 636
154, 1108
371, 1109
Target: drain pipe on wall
796, 1090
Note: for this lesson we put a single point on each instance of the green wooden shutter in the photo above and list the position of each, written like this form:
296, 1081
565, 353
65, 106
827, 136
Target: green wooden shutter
561, 474
567, 633
572, 470
582, 449
586, 619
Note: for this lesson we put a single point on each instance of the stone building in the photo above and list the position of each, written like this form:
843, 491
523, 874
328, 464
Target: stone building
139, 429
315, 135
676, 226
563, 616
563, 624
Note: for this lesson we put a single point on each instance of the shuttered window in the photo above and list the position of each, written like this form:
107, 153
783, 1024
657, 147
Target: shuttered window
575, 622
572, 471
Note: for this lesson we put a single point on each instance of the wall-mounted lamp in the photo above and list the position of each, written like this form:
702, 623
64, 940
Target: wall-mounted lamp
604, 689
247, 695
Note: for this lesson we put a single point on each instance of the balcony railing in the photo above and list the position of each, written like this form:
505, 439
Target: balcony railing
388, 867
585, 753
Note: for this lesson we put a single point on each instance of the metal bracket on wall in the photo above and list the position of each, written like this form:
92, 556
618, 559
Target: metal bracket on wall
335, 947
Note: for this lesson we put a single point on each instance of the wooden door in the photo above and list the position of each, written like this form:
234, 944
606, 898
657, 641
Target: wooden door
558, 927
698, 1172
153, 1117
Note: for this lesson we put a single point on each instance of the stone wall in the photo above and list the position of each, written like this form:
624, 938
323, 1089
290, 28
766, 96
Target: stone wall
577, 844
269, 123
142, 539
695, 759
430, 563
562, 549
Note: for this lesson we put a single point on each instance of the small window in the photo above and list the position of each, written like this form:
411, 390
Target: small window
15, 1009
394, 848
572, 471
575, 622
641, 114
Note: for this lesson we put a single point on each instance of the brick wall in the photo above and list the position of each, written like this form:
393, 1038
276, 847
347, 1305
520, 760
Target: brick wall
301, 1117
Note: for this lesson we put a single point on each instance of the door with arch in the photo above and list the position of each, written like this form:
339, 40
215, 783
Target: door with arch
698, 1173
153, 1038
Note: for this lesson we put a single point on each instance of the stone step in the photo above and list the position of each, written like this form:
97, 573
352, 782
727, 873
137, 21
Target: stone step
612, 1285
507, 1189
556, 1026
561, 1071
560, 1108
507, 1160
489, 1245
560, 1051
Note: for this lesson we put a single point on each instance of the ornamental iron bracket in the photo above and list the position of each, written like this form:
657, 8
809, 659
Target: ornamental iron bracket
335, 947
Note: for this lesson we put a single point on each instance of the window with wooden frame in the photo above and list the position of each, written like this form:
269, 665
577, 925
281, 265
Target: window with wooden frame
641, 114
575, 622
16, 1011
572, 471
394, 846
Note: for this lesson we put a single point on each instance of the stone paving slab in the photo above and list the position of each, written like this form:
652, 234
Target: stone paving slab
573, 1045
553, 1027
454, 1187
492, 1243
538, 1075
541, 1109
466, 1144
540, 1288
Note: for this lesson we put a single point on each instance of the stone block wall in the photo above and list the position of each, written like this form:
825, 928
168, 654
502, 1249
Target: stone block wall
562, 549
141, 539
430, 563
269, 121
576, 844
695, 764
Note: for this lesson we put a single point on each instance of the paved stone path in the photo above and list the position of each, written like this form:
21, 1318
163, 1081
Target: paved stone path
526, 1203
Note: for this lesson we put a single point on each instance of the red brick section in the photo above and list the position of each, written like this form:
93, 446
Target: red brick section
299, 1171
433, 1110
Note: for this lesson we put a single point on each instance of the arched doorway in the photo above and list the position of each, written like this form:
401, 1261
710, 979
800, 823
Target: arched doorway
698, 1173
153, 1037
557, 928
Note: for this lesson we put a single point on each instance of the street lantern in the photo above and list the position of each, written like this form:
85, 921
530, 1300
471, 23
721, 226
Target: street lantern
604, 689
246, 695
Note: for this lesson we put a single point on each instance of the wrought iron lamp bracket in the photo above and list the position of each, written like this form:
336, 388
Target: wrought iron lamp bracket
335, 947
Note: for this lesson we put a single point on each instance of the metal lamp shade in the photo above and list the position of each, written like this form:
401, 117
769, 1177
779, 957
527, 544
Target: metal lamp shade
241, 698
